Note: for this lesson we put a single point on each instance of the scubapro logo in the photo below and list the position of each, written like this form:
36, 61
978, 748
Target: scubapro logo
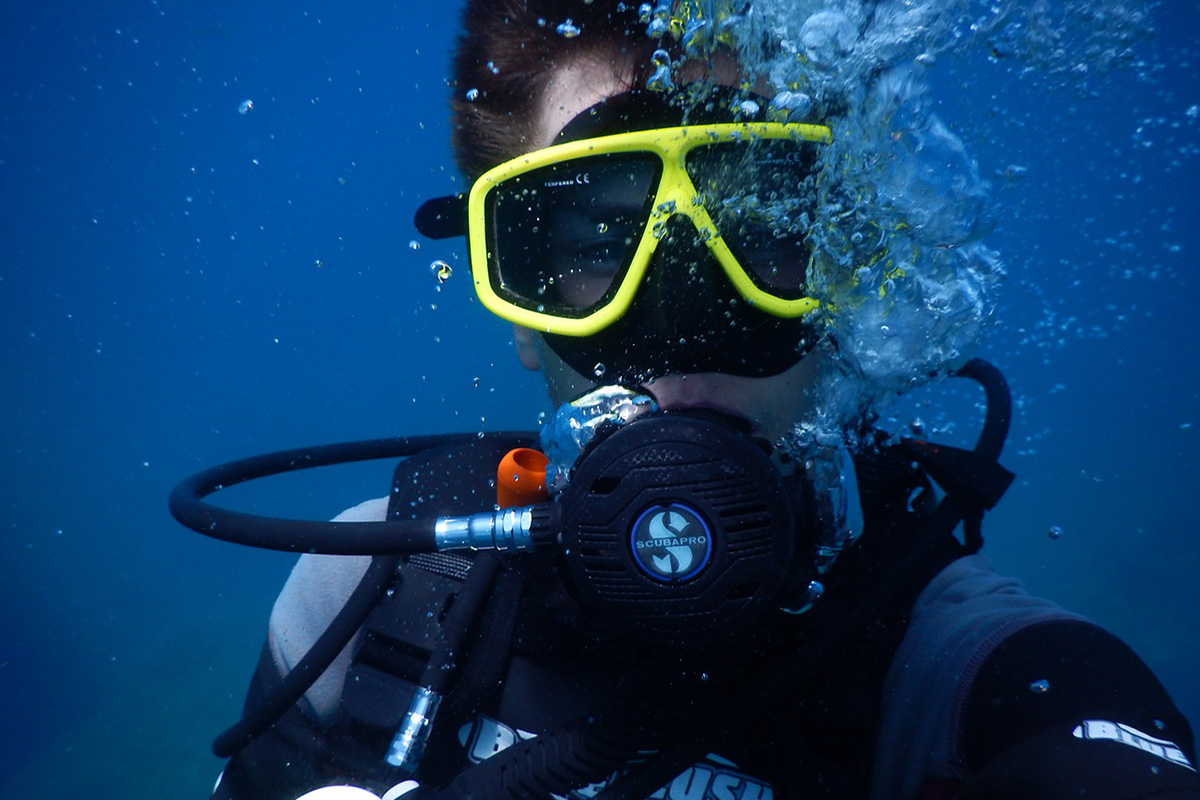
671, 542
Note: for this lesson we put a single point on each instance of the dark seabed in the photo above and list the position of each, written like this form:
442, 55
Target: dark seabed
186, 284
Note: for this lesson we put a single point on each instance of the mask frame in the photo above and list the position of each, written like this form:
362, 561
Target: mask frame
674, 194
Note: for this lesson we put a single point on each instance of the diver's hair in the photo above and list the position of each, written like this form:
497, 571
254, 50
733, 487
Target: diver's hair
511, 50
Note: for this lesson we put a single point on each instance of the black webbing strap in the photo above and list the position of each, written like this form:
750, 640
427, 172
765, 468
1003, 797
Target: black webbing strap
479, 675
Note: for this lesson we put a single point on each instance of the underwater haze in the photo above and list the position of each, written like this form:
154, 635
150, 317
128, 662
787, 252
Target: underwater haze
206, 210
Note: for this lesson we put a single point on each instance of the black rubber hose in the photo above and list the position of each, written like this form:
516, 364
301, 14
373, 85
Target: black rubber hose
999, 406
318, 658
657, 705
309, 536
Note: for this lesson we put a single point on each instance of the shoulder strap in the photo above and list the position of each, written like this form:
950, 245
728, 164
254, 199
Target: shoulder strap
424, 627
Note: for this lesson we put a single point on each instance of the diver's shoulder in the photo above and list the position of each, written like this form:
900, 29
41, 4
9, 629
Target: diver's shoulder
971, 593
373, 510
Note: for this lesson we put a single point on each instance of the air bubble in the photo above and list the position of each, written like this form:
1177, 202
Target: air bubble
796, 104
1040, 686
749, 107
472, 95
568, 29
695, 36
661, 80
1054, 532
599, 370
441, 271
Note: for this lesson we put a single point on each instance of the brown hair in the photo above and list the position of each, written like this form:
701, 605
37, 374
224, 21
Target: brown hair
509, 53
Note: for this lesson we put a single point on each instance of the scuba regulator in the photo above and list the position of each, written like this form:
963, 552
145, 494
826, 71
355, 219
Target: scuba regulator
673, 526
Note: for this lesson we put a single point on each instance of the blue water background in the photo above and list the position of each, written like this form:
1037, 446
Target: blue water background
183, 284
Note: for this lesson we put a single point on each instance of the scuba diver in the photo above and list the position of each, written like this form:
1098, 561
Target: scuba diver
659, 598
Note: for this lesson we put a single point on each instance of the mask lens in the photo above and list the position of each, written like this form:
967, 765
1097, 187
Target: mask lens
561, 237
761, 195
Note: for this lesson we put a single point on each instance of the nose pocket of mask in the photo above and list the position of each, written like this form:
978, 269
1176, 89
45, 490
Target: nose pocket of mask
686, 317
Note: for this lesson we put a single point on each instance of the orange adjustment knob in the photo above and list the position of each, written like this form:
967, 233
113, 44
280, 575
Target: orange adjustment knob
521, 478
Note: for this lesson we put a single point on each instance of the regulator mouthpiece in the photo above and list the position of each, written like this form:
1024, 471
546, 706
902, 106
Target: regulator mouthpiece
576, 425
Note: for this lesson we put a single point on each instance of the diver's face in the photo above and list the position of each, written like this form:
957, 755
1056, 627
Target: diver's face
772, 405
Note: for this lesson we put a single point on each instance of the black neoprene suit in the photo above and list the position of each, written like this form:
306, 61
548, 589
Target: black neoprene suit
544, 665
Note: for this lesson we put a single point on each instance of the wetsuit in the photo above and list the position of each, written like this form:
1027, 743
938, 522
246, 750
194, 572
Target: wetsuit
965, 687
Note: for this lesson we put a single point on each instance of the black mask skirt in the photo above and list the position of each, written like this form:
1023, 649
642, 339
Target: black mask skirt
686, 316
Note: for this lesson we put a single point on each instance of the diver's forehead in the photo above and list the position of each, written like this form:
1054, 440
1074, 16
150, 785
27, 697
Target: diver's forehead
575, 89
588, 81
